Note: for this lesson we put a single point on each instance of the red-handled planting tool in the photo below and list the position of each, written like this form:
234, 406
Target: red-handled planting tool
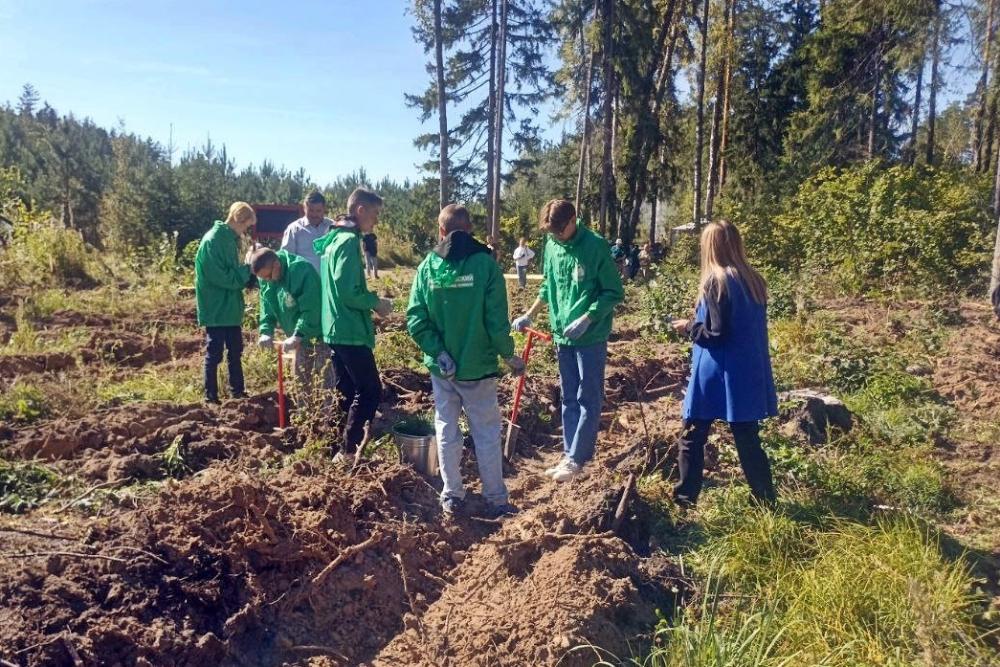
282, 418
513, 430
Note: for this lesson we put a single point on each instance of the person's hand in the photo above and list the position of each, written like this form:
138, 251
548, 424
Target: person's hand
521, 323
254, 247
577, 327
265, 342
680, 326
384, 307
291, 343
516, 365
446, 365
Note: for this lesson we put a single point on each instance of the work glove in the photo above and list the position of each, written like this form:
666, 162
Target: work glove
265, 342
384, 307
577, 327
521, 323
291, 343
516, 365
446, 365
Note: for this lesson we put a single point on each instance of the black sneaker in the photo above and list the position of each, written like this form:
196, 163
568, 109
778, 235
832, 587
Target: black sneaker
242, 394
502, 511
212, 400
453, 506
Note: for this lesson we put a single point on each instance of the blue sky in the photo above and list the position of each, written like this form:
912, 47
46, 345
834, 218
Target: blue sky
312, 84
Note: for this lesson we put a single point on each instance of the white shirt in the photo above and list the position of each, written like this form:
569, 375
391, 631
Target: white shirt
299, 237
523, 255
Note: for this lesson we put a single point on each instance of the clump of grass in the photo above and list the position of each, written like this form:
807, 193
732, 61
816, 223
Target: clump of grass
177, 385
23, 404
416, 425
808, 588
173, 458
395, 349
24, 485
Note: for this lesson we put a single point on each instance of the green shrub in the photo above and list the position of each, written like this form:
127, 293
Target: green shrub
24, 486
23, 403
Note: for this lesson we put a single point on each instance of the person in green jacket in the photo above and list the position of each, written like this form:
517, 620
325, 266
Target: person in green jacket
581, 286
458, 317
290, 298
346, 317
219, 281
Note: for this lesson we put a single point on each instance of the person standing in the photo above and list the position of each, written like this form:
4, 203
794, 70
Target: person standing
346, 317
301, 234
522, 259
290, 298
219, 281
457, 315
370, 243
581, 286
731, 376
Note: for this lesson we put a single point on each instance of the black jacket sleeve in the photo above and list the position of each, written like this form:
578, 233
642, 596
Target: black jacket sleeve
713, 331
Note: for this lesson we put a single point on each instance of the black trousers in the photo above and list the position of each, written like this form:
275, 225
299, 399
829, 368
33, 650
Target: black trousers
217, 339
360, 389
691, 459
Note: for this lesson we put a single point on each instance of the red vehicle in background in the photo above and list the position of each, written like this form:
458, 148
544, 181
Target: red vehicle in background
272, 220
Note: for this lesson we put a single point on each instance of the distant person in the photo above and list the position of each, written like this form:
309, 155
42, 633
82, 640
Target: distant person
301, 234
458, 317
632, 262
645, 260
731, 375
581, 287
290, 297
619, 255
522, 259
219, 281
347, 314
370, 244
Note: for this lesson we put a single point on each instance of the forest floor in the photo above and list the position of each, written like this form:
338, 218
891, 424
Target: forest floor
140, 527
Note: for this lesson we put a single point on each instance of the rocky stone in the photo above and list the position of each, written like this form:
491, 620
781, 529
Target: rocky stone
813, 414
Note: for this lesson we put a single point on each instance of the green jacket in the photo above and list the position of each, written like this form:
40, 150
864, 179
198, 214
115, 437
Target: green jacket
347, 302
580, 279
219, 278
293, 302
458, 304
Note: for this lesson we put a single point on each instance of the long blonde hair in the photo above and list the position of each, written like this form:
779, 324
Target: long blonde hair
723, 255
240, 211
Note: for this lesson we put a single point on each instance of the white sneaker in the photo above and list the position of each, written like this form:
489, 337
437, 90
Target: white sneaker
570, 471
557, 467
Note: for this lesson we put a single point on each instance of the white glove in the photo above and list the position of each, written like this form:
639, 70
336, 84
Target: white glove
516, 365
265, 342
521, 323
291, 343
446, 365
577, 327
384, 307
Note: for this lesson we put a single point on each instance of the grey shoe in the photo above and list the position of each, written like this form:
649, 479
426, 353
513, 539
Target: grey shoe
453, 506
502, 511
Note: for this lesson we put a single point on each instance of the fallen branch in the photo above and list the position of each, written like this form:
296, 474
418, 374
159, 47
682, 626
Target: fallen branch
409, 596
98, 487
361, 447
344, 555
35, 533
68, 554
315, 648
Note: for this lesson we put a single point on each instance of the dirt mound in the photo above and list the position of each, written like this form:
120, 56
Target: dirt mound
128, 442
23, 364
230, 568
657, 373
967, 374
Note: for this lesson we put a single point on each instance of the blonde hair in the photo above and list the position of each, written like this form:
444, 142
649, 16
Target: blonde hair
722, 256
239, 211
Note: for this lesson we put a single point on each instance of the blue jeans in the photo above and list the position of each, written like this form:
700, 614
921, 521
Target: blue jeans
217, 339
581, 379
479, 400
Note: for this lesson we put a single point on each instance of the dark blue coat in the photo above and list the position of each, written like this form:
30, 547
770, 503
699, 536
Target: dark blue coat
731, 375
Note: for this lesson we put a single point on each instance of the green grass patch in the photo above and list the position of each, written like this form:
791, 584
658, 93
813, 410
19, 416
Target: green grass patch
23, 403
175, 385
24, 486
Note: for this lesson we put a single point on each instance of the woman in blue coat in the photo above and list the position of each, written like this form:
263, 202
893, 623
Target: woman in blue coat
731, 376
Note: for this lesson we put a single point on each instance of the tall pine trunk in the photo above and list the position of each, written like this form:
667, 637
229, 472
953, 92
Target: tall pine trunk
585, 140
499, 119
982, 89
876, 89
444, 191
932, 95
995, 268
491, 112
715, 137
699, 142
607, 37
911, 151
724, 140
